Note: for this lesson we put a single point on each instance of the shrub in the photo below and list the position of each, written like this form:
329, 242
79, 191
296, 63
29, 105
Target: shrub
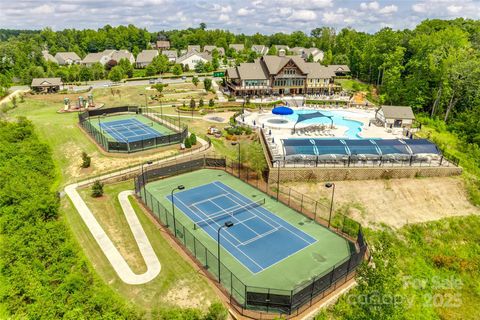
97, 189
200, 103
187, 143
211, 103
86, 160
216, 311
193, 139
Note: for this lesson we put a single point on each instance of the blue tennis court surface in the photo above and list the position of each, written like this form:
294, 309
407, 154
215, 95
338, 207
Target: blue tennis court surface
129, 130
258, 238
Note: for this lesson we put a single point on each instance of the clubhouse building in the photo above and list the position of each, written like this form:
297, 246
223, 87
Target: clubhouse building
279, 75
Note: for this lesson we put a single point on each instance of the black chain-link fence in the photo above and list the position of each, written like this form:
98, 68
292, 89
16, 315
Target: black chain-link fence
111, 145
255, 302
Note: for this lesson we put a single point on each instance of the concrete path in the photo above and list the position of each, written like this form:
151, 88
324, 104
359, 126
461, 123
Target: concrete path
219, 92
106, 245
15, 93
111, 252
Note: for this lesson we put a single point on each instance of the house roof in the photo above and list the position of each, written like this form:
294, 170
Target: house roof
259, 48
232, 73
170, 53
68, 55
317, 71
275, 63
93, 57
210, 49
193, 48
281, 46
397, 112
118, 55
339, 67
252, 71
163, 44
298, 50
46, 82
48, 57
237, 46
204, 55
146, 56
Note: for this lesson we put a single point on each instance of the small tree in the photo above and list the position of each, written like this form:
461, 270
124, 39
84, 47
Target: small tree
97, 189
192, 104
201, 103
216, 311
86, 160
116, 74
193, 139
187, 143
177, 69
14, 101
211, 103
195, 81
207, 83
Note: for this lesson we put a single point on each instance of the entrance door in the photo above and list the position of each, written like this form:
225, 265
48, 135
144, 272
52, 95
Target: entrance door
397, 123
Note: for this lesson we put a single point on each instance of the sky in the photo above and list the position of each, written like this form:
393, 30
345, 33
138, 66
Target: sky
239, 16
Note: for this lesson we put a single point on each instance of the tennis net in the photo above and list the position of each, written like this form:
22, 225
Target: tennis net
229, 213
126, 127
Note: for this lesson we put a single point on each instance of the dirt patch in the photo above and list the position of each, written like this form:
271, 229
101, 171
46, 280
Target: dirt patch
181, 295
396, 202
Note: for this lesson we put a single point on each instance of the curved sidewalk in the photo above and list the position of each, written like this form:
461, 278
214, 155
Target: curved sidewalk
111, 252
115, 258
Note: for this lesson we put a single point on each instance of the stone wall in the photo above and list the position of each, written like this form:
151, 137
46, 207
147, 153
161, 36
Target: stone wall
335, 174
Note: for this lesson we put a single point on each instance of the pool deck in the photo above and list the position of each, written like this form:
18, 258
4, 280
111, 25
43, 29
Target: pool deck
361, 115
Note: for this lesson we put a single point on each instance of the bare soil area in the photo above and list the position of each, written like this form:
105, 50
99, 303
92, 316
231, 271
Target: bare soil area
395, 202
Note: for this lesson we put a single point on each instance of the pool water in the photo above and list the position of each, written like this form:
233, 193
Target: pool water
354, 127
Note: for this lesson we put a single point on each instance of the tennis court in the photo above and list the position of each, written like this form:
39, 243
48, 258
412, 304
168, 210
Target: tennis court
129, 130
269, 244
254, 227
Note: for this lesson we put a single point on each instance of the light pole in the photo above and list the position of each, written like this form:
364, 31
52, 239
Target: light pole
143, 174
278, 177
233, 144
330, 185
146, 101
227, 224
180, 187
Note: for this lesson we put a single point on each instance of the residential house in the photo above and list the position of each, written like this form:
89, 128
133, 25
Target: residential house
316, 54
195, 48
340, 69
209, 49
162, 44
192, 58
280, 75
237, 46
395, 116
67, 58
107, 55
171, 55
48, 57
145, 57
46, 85
281, 47
118, 55
297, 51
260, 49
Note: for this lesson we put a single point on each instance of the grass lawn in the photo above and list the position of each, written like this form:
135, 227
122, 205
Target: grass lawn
68, 141
178, 283
437, 266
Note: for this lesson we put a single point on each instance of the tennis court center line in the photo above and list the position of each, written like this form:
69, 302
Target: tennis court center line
233, 245
279, 225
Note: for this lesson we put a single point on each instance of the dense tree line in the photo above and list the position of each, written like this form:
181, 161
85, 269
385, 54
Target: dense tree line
42, 274
435, 68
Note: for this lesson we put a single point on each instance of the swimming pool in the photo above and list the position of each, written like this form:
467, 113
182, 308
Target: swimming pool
354, 127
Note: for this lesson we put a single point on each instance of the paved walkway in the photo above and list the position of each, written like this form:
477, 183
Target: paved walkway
219, 92
15, 93
117, 261
111, 252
